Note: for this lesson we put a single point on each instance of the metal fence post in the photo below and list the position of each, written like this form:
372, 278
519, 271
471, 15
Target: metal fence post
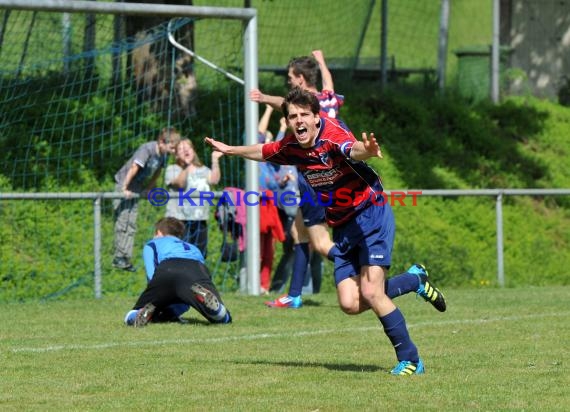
384, 43
442, 44
500, 262
495, 50
97, 246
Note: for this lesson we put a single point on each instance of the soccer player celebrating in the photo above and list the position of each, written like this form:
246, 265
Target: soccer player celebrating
303, 72
332, 161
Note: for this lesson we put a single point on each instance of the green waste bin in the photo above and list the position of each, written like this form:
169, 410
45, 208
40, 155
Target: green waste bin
474, 70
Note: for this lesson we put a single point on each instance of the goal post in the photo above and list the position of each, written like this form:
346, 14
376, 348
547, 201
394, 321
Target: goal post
249, 17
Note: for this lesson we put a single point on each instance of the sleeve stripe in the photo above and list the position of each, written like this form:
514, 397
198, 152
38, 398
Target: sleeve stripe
344, 150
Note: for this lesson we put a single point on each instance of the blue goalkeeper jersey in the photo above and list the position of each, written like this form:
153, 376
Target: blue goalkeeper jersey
160, 249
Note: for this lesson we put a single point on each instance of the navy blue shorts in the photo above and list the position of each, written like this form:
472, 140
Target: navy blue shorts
365, 240
312, 210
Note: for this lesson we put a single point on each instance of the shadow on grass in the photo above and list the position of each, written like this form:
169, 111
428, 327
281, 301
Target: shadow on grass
310, 302
188, 321
349, 367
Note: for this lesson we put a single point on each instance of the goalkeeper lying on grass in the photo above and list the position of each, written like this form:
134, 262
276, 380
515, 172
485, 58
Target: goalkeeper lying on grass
178, 280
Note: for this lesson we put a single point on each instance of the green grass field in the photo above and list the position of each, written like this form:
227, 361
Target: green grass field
492, 350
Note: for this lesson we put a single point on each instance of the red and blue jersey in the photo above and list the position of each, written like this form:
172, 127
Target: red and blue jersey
330, 103
344, 186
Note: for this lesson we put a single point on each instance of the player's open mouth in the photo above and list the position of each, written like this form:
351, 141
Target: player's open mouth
301, 131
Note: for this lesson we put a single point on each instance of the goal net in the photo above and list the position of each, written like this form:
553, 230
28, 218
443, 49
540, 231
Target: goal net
79, 93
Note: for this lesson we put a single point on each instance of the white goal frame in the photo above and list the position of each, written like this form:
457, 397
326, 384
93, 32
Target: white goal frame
251, 112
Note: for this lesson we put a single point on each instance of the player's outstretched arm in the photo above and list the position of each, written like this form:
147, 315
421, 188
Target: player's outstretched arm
366, 149
251, 152
326, 75
255, 95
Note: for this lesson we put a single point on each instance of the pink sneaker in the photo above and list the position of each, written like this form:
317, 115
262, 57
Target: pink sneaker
286, 301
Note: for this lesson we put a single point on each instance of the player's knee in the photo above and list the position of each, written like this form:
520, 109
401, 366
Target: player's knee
320, 239
349, 305
369, 293
323, 247
350, 309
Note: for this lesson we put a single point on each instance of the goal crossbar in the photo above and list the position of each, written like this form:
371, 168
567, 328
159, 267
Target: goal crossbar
140, 9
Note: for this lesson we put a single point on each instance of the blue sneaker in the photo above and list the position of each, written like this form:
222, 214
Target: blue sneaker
286, 301
405, 368
427, 290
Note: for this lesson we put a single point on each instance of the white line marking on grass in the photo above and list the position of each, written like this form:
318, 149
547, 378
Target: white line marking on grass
224, 339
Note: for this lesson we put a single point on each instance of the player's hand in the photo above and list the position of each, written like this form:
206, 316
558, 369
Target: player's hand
255, 95
318, 55
216, 145
289, 177
216, 155
371, 145
187, 158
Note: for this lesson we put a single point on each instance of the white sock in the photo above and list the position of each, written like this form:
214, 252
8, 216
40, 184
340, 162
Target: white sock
221, 313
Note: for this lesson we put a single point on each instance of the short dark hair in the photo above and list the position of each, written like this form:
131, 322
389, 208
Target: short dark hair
169, 135
300, 97
306, 66
170, 226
